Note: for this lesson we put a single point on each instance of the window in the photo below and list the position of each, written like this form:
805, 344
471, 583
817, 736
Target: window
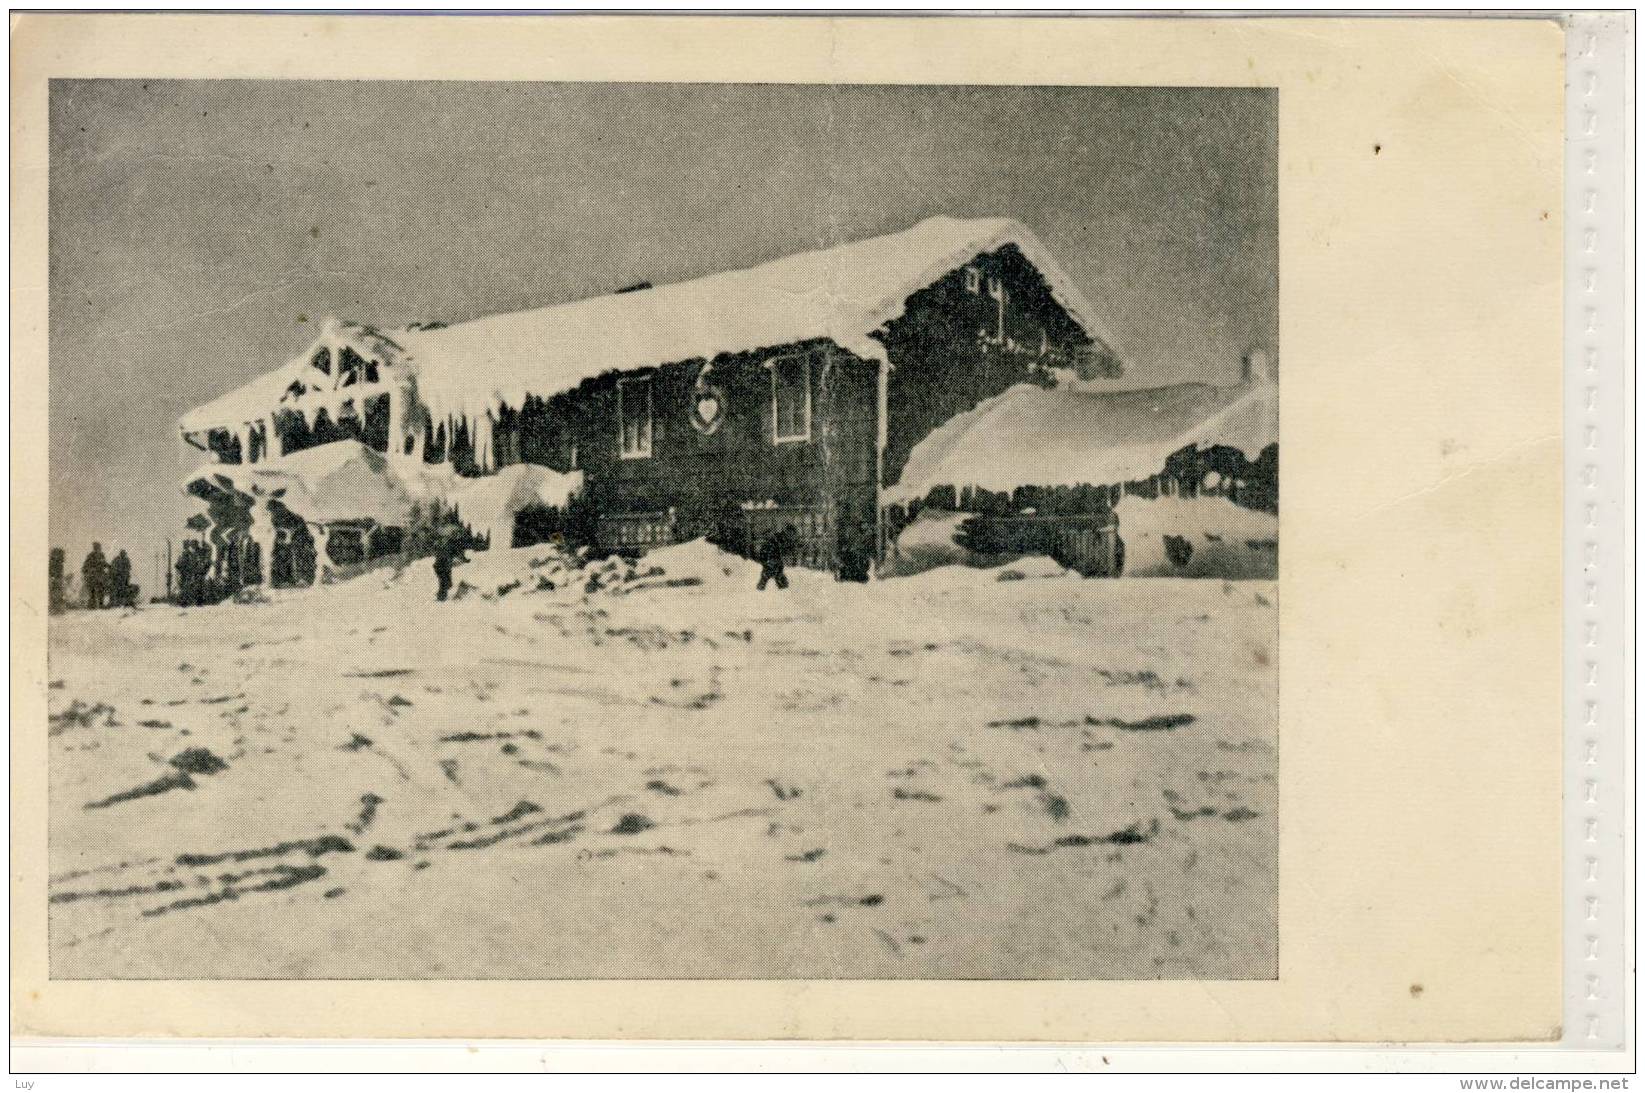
791, 398
634, 416
352, 368
973, 279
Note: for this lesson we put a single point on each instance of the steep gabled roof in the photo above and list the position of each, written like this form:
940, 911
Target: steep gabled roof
1033, 436
844, 293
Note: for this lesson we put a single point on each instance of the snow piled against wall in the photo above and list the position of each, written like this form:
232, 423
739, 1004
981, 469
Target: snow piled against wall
1034, 436
1222, 539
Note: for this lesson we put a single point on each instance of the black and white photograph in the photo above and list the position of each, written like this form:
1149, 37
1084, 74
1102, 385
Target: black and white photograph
550, 531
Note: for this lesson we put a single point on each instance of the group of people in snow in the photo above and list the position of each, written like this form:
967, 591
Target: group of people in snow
194, 563
451, 550
103, 583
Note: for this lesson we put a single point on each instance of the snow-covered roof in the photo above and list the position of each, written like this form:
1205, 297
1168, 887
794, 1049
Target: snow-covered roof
466, 370
344, 480
1035, 436
261, 396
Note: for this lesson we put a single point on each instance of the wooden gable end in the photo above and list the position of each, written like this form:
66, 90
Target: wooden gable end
973, 333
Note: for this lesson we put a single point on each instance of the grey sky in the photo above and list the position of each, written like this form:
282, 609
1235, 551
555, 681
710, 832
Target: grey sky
201, 230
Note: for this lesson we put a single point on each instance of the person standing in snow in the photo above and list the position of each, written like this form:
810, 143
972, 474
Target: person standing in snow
448, 554
772, 555
94, 575
57, 571
120, 590
192, 568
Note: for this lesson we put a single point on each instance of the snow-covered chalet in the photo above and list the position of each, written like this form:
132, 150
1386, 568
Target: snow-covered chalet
729, 406
813, 390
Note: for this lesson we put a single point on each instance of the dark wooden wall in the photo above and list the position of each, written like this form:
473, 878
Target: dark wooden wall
947, 356
947, 353
706, 478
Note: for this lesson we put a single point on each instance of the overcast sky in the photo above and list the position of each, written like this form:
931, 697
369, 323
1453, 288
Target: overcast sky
201, 230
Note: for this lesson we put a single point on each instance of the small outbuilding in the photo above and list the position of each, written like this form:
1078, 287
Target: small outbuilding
1141, 481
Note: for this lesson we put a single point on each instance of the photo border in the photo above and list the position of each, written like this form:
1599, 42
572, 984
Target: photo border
1055, 49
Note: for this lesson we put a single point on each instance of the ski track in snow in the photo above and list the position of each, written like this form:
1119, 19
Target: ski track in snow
938, 776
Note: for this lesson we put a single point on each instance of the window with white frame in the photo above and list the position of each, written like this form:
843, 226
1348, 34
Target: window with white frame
973, 279
791, 398
634, 416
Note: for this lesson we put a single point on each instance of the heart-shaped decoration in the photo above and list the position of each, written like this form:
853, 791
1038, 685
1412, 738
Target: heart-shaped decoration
707, 410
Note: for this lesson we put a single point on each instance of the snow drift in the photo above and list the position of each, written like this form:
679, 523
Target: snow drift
1034, 436
1203, 536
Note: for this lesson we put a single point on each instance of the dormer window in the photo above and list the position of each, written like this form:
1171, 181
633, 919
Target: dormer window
322, 361
973, 279
790, 398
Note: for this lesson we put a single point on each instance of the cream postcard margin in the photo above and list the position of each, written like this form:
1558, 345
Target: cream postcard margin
1420, 168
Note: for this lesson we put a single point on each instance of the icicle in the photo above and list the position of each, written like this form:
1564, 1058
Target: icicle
482, 442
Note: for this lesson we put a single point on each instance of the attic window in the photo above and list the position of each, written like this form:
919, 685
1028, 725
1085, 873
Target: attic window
355, 369
634, 416
791, 398
973, 279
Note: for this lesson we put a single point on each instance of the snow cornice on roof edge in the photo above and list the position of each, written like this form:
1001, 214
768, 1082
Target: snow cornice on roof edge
846, 293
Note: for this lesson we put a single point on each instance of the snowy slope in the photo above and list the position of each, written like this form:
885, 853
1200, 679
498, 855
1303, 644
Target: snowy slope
945, 776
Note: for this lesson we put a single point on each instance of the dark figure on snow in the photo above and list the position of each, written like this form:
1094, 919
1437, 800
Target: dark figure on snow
94, 576
773, 554
58, 571
448, 554
121, 592
193, 567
